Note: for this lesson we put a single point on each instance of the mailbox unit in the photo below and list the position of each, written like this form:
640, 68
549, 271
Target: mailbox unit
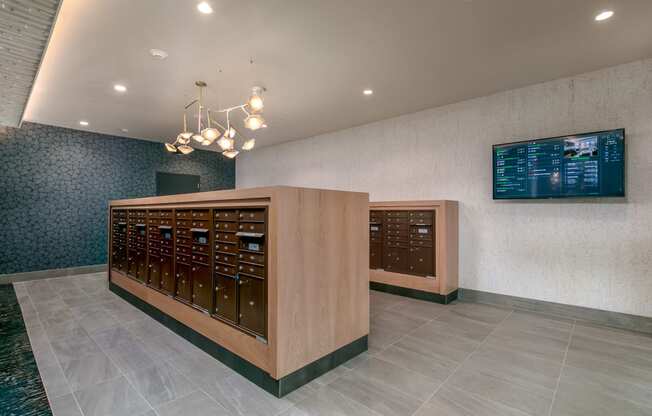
413, 248
273, 280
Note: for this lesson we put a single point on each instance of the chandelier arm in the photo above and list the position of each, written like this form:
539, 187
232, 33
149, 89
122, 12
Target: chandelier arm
190, 104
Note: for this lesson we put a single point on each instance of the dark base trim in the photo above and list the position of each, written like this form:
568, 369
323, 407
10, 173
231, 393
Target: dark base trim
414, 293
48, 274
580, 313
261, 378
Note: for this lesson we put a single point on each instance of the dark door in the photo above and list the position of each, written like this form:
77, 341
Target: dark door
201, 286
183, 282
175, 183
142, 269
132, 263
154, 279
225, 298
375, 256
421, 261
167, 282
252, 304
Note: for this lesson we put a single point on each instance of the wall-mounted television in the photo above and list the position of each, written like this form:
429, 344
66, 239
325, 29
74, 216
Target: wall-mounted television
577, 166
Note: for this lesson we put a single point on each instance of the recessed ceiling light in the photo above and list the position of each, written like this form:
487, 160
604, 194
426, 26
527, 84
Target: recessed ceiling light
120, 88
368, 92
603, 15
205, 8
158, 53
124, 130
264, 126
83, 123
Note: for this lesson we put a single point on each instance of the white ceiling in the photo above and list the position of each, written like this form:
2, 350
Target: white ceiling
315, 57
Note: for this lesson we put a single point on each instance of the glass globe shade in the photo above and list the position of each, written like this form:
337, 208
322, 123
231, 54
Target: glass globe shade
185, 149
170, 147
230, 153
254, 122
225, 143
249, 144
210, 133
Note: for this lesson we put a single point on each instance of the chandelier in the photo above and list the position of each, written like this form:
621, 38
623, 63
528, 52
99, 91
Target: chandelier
211, 131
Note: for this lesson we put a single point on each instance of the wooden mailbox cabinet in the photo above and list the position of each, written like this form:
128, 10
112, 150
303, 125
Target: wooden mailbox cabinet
277, 276
413, 245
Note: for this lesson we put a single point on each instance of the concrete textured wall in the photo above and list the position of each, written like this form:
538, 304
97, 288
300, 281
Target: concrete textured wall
593, 253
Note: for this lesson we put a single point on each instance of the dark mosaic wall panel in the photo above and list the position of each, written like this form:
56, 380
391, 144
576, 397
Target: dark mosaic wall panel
55, 184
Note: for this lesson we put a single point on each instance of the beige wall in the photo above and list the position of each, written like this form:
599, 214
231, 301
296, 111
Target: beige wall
594, 253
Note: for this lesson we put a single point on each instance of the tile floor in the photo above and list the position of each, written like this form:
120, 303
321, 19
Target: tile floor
100, 356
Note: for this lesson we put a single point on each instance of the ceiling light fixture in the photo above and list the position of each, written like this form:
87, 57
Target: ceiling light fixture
368, 92
83, 123
204, 8
604, 15
120, 88
158, 53
210, 131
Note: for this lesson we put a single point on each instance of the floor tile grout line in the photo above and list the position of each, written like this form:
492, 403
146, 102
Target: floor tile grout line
58, 364
72, 391
468, 357
561, 370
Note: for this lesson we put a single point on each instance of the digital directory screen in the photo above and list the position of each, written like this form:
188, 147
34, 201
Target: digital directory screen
582, 165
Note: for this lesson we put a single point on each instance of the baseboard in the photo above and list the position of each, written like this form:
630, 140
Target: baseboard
580, 313
258, 376
413, 293
48, 274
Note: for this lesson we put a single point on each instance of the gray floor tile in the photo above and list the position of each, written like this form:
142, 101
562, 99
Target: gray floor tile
240, 396
195, 404
146, 328
537, 375
396, 322
65, 329
454, 402
81, 311
492, 315
613, 385
97, 321
500, 391
57, 317
428, 341
582, 347
65, 406
89, 370
436, 368
112, 398
130, 357
529, 343
77, 301
616, 336
73, 348
201, 368
54, 381
112, 337
448, 324
576, 400
167, 346
357, 360
375, 395
540, 324
160, 384
398, 378
418, 308
328, 402
380, 338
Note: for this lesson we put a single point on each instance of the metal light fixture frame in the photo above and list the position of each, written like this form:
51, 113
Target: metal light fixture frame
229, 131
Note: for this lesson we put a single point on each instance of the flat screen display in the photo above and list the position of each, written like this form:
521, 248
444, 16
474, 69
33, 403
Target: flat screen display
582, 165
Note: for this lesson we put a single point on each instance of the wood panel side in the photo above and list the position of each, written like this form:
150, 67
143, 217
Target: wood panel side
450, 247
322, 274
228, 337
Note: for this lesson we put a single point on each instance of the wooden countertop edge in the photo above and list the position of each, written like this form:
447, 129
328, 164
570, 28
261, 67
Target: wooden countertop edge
260, 193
